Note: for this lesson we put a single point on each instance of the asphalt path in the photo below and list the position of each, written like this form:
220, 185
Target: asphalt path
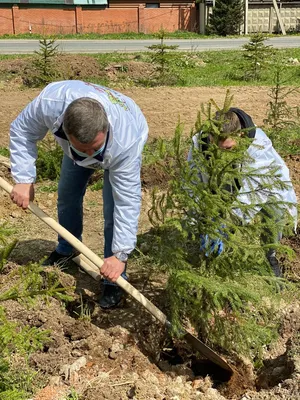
24, 46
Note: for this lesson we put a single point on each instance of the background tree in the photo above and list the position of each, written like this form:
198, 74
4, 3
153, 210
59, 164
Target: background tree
44, 70
227, 17
161, 58
281, 117
256, 56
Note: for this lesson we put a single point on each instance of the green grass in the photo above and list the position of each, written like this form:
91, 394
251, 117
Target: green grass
50, 187
209, 68
286, 142
14, 56
126, 35
108, 36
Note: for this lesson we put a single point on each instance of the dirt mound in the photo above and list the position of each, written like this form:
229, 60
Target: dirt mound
98, 363
13, 66
129, 72
71, 67
93, 355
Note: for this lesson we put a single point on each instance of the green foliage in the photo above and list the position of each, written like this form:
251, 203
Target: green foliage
232, 299
21, 341
32, 281
5, 248
23, 284
4, 152
44, 71
49, 159
256, 56
17, 343
161, 58
153, 150
226, 18
25, 340
229, 313
73, 395
5, 252
49, 188
96, 181
84, 312
97, 186
17, 379
286, 141
282, 120
48, 49
280, 115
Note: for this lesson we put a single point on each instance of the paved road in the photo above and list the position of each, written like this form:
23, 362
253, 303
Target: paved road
105, 46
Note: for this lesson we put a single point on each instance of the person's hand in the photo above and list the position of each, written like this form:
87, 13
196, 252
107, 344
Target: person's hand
210, 246
112, 268
213, 246
22, 194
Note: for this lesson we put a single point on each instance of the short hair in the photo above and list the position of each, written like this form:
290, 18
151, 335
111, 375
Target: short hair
84, 118
230, 122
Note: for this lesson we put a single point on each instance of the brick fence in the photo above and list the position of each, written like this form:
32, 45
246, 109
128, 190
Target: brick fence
76, 19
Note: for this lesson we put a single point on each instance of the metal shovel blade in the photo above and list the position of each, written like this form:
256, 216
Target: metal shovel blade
207, 351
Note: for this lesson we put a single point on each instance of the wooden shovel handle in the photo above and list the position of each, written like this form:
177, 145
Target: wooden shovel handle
90, 255
90, 262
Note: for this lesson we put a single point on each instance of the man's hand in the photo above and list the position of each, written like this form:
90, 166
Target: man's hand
112, 268
22, 194
210, 246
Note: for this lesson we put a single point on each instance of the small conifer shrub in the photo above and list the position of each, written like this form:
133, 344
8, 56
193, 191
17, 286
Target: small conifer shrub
231, 299
161, 58
43, 71
256, 56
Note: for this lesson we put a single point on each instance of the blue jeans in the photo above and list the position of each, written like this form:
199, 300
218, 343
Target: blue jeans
71, 190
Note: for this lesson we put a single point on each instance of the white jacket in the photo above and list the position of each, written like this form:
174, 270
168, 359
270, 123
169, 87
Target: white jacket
128, 131
263, 156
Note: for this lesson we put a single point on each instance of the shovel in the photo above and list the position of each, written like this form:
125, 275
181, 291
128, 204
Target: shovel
91, 263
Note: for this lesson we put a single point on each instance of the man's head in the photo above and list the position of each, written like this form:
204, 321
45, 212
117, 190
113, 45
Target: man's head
230, 129
85, 123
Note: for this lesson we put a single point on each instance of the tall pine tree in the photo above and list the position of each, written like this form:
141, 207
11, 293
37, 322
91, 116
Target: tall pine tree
227, 17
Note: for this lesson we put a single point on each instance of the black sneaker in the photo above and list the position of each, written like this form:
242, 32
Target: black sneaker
57, 259
111, 296
275, 266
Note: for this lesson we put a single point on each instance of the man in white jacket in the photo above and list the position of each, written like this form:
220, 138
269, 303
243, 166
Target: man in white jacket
263, 156
97, 128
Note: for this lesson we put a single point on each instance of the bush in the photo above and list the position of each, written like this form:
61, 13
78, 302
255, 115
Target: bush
49, 159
